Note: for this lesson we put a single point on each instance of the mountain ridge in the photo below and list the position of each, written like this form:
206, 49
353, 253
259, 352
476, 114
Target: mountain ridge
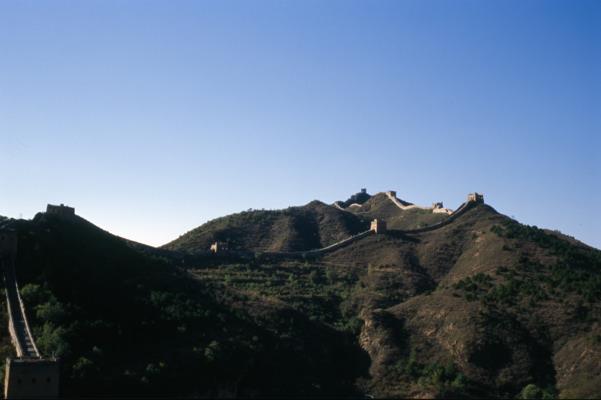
479, 306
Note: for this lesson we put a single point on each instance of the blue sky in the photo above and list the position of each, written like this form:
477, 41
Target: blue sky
153, 117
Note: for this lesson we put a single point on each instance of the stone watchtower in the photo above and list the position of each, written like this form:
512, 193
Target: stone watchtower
219, 247
378, 226
62, 210
475, 198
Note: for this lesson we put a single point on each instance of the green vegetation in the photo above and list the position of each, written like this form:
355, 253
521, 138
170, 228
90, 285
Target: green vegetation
313, 289
444, 379
577, 270
531, 392
475, 287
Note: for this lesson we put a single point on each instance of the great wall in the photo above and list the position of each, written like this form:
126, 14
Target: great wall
377, 226
435, 208
29, 374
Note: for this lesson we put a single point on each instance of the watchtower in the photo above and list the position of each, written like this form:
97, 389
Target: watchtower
363, 191
62, 210
391, 193
475, 198
378, 226
218, 247
437, 205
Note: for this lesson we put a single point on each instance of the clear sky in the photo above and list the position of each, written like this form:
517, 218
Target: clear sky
151, 118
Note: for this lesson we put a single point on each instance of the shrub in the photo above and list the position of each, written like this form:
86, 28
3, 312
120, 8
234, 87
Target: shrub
531, 391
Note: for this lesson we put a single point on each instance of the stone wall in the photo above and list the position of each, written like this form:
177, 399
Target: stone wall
462, 209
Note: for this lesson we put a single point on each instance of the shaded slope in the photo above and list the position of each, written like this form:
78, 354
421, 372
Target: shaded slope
312, 226
124, 324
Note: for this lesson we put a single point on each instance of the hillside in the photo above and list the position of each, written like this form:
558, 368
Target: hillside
485, 299
483, 306
480, 307
307, 227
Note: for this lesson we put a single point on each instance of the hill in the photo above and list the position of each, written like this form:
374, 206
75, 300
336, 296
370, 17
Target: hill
480, 307
483, 306
307, 227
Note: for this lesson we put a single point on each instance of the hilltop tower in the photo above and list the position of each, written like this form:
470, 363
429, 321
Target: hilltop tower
475, 197
62, 210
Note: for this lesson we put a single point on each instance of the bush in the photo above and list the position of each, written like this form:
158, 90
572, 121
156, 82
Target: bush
531, 391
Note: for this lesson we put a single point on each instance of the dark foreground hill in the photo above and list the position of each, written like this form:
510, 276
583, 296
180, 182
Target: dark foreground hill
483, 306
124, 323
